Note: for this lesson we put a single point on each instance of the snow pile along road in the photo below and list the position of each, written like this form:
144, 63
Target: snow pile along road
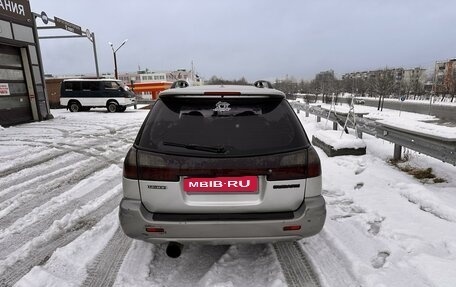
60, 185
385, 226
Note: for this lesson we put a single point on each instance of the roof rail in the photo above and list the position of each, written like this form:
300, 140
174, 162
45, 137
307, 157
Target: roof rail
263, 84
179, 84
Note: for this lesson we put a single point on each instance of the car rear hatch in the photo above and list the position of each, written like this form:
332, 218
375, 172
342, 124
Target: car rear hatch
222, 154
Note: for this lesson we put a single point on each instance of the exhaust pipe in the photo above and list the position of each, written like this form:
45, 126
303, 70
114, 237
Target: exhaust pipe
174, 249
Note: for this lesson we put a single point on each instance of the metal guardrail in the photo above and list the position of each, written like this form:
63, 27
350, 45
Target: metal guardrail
440, 148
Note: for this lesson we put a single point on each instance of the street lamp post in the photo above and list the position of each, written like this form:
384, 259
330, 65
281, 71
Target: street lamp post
114, 51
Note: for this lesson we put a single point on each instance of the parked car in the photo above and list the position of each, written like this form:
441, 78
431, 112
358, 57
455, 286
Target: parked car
221, 165
358, 101
83, 94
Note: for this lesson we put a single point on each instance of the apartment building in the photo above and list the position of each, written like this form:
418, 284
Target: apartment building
445, 77
411, 81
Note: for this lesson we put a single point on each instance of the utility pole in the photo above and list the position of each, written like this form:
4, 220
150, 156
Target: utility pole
114, 52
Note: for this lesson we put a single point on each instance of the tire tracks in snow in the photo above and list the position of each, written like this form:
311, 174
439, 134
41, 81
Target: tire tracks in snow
18, 264
295, 265
29, 193
24, 230
117, 139
52, 165
331, 265
29, 178
23, 198
31, 163
103, 271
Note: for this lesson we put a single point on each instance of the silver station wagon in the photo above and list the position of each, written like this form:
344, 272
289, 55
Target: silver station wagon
221, 165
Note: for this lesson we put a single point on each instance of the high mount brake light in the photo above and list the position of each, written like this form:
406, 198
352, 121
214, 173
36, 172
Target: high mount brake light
222, 93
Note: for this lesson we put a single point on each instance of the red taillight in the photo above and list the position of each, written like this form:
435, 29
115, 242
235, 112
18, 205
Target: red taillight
292, 228
158, 174
155, 229
144, 165
130, 167
313, 163
298, 165
154, 167
291, 166
287, 173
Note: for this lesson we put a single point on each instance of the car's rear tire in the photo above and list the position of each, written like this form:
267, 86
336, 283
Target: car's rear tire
112, 107
74, 107
121, 109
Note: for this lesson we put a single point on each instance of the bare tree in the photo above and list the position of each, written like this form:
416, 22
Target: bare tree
214, 80
326, 84
451, 83
382, 83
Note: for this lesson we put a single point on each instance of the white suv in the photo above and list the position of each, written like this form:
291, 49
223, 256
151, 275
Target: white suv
221, 165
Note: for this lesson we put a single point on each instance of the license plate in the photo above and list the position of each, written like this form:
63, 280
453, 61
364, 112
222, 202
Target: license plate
221, 184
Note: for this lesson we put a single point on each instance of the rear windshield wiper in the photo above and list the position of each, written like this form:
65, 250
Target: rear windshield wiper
197, 147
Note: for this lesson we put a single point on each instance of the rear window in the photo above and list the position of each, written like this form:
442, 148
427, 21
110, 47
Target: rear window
81, 85
72, 86
222, 127
90, 86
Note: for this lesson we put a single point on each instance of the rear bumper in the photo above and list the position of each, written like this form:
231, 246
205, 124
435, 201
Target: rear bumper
134, 219
128, 102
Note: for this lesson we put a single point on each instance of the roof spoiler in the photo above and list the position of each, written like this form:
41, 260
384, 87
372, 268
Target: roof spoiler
179, 84
258, 84
263, 84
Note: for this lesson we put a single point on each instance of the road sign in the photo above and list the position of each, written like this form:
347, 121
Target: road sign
44, 18
68, 26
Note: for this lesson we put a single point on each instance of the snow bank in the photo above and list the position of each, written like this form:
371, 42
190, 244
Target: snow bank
339, 140
429, 129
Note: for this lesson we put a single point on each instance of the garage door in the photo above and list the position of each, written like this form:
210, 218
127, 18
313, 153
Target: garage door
14, 100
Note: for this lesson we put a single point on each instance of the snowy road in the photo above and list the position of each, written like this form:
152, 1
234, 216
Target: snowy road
60, 185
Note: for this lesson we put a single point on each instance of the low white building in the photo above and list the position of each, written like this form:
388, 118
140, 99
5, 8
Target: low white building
146, 76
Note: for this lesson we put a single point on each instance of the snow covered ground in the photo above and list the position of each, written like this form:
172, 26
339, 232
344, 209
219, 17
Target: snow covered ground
60, 184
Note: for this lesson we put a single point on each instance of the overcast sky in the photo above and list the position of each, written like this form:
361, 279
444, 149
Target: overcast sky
253, 38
